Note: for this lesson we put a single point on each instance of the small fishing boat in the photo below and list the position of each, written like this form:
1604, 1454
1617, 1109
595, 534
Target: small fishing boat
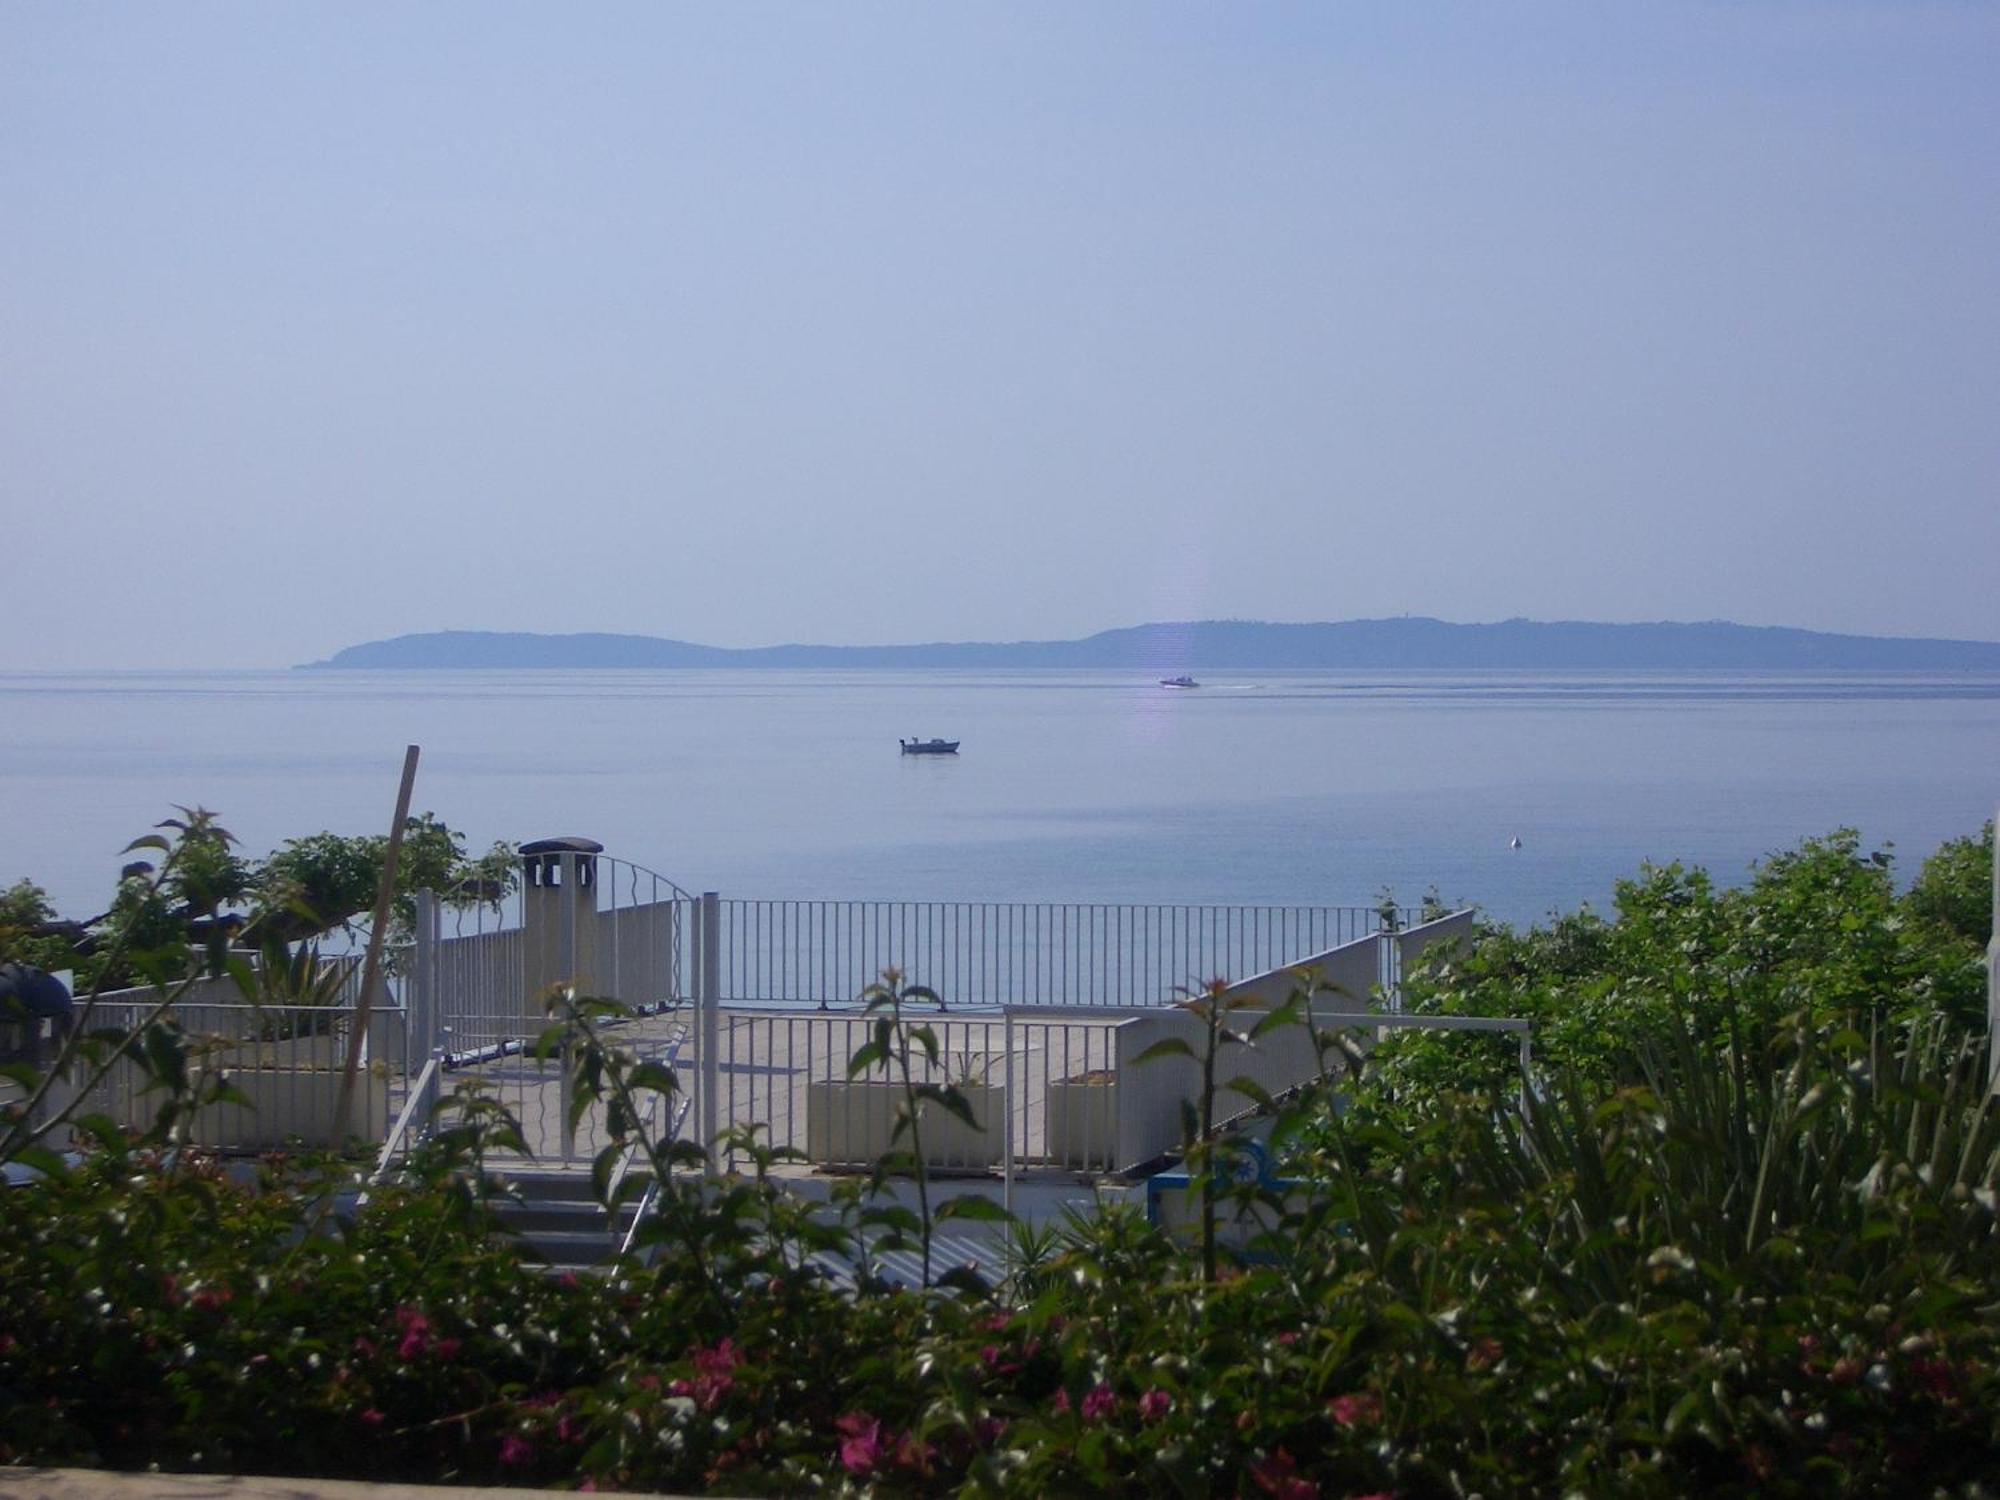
1178, 682
929, 747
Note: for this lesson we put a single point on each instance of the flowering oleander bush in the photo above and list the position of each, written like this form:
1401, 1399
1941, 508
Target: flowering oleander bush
1748, 1266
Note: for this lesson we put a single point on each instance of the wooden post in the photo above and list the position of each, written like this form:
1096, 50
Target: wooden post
1993, 971
371, 966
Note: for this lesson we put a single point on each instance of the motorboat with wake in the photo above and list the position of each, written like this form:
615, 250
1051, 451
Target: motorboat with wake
929, 747
1182, 681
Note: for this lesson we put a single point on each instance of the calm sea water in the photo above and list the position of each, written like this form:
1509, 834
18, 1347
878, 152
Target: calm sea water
1256, 787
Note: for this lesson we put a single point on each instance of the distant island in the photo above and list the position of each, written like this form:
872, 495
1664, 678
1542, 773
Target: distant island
1223, 645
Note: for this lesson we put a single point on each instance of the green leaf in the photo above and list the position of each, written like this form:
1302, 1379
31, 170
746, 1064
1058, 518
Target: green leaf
25, 1074
601, 1167
101, 1128
973, 1207
953, 1102
965, 1279
653, 1077
42, 1159
1250, 1089
893, 1216
1171, 1046
1287, 1014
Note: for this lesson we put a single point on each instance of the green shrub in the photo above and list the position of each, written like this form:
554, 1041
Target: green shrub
1735, 1251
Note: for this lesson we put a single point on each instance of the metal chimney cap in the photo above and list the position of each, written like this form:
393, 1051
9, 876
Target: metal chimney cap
570, 845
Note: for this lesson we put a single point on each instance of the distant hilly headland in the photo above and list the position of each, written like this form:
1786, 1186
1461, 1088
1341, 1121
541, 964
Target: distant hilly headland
1223, 644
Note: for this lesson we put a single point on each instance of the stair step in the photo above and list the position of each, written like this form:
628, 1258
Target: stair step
555, 1214
570, 1251
579, 1218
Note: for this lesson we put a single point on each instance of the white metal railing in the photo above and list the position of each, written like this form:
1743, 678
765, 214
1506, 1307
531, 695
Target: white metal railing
1049, 1090
989, 954
1059, 1088
287, 1060
789, 1073
478, 975
413, 1121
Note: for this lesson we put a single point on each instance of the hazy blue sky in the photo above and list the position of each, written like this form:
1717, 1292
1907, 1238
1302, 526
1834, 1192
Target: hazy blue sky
864, 323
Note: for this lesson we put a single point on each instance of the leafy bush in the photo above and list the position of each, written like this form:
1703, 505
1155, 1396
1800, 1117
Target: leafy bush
1736, 1252
25, 920
312, 885
208, 893
1954, 889
1820, 928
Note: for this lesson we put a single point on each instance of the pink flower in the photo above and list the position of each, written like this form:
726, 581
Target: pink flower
372, 1418
1356, 1409
861, 1447
515, 1449
712, 1379
720, 1360
989, 1430
1155, 1404
416, 1333
1279, 1475
1099, 1402
1060, 1406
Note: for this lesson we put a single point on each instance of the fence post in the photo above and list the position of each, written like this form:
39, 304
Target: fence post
420, 1015
566, 966
708, 1000
1007, 1109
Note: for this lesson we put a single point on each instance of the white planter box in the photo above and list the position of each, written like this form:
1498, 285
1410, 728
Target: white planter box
328, 1050
849, 1124
284, 1103
1083, 1122
287, 1103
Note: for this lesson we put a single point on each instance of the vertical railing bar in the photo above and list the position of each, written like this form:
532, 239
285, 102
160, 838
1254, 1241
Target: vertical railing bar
707, 986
